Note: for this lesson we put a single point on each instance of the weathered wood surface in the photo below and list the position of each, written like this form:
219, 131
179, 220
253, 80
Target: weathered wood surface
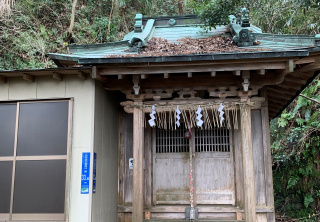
262, 218
248, 170
201, 209
148, 166
238, 166
267, 157
201, 216
185, 69
214, 179
128, 141
198, 80
121, 157
171, 178
258, 157
138, 172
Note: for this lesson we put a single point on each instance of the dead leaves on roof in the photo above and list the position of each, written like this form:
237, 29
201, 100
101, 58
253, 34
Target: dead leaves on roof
187, 46
214, 44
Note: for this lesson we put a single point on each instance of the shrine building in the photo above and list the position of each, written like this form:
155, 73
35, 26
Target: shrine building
117, 133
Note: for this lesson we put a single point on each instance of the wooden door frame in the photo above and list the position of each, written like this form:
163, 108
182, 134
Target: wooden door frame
231, 135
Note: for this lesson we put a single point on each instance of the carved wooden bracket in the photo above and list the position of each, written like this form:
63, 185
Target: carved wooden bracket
187, 93
232, 91
154, 94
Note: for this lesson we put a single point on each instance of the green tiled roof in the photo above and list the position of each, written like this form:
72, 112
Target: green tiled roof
185, 26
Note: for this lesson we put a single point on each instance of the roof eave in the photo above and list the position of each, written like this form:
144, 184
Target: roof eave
195, 57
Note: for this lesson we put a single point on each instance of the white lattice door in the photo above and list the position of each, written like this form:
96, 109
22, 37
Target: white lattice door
213, 167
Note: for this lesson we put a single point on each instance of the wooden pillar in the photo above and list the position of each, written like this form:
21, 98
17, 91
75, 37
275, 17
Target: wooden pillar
248, 170
267, 154
138, 151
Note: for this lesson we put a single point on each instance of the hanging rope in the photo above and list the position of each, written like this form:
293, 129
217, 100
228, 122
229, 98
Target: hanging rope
166, 116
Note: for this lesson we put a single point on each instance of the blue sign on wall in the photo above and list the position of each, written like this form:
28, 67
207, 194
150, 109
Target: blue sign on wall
94, 173
85, 173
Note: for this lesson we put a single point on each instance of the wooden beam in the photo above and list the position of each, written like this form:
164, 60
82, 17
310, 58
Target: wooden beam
248, 169
202, 209
28, 77
96, 75
295, 80
304, 61
57, 76
166, 75
128, 105
283, 88
114, 70
274, 109
144, 76
261, 71
94, 72
277, 96
201, 63
138, 151
3, 79
136, 87
237, 72
290, 66
267, 156
82, 75
291, 85
279, 91
189, 74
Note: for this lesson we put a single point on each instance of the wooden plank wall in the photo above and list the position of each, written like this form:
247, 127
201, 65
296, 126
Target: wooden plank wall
258, 158
128, 179
148, 166
125, 152
267, 156
238, 166
262, 164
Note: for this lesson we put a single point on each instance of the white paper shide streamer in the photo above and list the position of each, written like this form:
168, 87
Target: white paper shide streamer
178, 112
205, 116
151, 121
199, 116
220, 110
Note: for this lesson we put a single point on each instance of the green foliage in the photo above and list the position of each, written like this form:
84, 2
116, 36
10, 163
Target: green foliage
295, 140
214, 13
38, 27
284, 16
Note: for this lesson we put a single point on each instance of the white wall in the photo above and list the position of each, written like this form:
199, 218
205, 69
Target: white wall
45, 87
105, 200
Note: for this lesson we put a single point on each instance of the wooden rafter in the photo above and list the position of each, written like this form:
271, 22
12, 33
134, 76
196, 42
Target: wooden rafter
188, 68
28, 77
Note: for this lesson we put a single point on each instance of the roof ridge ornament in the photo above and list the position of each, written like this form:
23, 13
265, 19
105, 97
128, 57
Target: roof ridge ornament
245, 20
138, 27
138, 40
242, 36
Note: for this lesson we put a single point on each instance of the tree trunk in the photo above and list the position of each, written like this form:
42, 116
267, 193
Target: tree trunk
73, 12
